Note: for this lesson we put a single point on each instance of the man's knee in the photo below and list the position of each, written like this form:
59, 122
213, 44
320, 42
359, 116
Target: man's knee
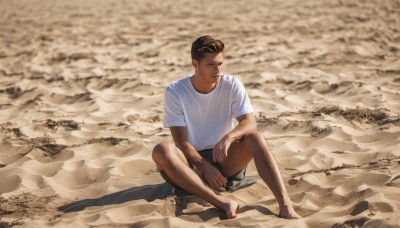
160, 152
255, 140
255, 137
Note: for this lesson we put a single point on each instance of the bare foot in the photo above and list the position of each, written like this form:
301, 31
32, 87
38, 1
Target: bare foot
230, 207
289, 213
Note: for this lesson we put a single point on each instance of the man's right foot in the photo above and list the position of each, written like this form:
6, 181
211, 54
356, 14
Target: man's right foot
230, 207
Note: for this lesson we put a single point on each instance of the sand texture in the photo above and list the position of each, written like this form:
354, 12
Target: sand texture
81, 107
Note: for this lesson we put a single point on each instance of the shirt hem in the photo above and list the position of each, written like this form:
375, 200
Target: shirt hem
175, 124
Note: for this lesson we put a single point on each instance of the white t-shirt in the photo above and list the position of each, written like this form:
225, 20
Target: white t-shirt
208, 117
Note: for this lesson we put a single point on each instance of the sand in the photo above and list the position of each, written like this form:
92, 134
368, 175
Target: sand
81, 102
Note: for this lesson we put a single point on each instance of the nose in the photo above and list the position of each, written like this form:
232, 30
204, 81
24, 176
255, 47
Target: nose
218, 69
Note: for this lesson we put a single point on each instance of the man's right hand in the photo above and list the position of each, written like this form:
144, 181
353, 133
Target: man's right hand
214, 177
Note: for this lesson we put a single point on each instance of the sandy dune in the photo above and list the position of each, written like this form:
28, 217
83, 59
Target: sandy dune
81, 102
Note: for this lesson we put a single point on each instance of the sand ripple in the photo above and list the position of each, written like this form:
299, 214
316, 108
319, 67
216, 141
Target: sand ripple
81, 101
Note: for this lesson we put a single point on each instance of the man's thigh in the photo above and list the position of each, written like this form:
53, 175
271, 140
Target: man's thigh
208, 154
239, 155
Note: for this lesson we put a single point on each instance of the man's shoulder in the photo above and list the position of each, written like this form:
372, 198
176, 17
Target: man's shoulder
176, 85
230, 80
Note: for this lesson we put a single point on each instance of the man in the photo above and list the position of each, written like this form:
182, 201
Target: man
199, 110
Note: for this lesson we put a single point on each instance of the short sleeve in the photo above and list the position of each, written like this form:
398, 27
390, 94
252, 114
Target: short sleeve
241, 102
173, 110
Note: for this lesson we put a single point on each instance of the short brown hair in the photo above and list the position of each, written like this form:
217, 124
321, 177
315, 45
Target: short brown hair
206, 44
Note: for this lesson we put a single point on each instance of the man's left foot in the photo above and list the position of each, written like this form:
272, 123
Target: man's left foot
289, 213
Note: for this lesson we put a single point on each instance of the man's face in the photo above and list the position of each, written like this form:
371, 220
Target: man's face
209, 68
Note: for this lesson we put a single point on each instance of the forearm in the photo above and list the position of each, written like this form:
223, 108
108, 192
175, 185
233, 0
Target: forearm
245, 126
193, 156
179, 134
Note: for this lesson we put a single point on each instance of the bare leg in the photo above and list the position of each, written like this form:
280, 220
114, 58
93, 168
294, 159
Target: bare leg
173, 163
269, 172
254, 145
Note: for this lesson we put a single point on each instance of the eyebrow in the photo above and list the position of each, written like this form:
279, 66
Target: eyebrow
220, 63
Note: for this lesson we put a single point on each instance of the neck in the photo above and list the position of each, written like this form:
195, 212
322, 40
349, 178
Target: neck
201, 85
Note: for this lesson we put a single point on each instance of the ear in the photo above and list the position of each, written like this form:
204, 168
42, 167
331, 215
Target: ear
195, 63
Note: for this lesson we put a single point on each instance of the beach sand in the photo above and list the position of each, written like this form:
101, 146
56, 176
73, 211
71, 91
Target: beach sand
81, 107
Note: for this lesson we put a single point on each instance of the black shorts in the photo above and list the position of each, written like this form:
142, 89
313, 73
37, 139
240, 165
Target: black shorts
207, 154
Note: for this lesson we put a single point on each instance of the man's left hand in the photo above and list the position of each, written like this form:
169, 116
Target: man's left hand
220, 151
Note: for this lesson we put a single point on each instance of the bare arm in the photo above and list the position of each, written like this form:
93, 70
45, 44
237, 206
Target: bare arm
247, 124
212, 174
179, 134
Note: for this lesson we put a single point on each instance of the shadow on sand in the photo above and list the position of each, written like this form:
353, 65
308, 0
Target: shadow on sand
147, 192
153, 192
